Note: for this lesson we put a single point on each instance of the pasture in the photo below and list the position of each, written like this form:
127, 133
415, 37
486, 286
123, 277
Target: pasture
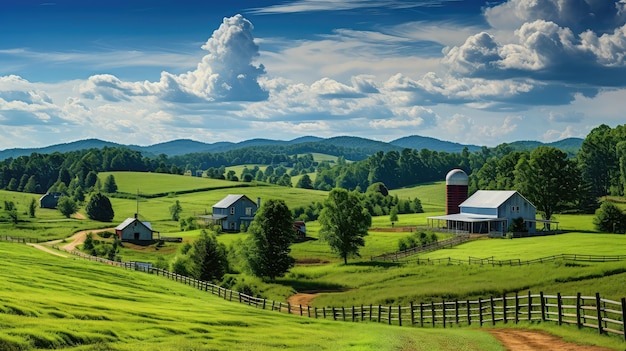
122, 310
359, 282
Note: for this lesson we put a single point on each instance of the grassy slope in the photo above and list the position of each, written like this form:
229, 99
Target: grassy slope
90, 306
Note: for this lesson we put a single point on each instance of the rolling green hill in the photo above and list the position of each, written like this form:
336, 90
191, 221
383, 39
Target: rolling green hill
49, 302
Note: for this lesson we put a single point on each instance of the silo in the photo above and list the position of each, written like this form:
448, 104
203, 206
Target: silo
456, 190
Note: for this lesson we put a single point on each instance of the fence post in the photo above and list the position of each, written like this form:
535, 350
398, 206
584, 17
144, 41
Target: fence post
456, 311
530, 306
379, 312
480, 311
559, 305
362, 313
343, 313
371, 312
412, 314
334, 314
273, 304
264, 301
308, 311
315, 311
389, 315
421, 314
493, 313
578, 324
443, 312
324, 312
599, 310
400, 315
432, 312
288, 308
504, 309
469, 312
624, 316
543, 307
301, 309
516, 308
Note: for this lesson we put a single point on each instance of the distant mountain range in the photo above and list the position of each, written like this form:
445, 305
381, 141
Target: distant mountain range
367, 146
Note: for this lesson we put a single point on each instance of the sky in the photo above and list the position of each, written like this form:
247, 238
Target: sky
149, 71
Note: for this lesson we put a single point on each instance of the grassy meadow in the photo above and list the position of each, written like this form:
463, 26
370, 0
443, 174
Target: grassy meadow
318, 269
123, 310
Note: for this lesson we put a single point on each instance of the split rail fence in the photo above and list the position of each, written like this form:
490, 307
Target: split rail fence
398, 255
606, 316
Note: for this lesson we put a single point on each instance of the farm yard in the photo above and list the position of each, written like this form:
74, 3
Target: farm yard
318, 270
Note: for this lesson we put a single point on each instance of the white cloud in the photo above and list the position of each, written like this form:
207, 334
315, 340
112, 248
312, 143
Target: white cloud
300, 6
226, 73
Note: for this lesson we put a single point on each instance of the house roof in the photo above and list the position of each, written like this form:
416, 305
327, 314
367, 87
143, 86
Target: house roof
488, 198
229, 200
129, 221
464, 217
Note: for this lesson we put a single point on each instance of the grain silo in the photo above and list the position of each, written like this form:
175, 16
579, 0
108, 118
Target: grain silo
456, 190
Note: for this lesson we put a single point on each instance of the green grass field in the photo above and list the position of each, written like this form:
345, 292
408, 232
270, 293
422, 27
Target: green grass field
48, 302
359, 282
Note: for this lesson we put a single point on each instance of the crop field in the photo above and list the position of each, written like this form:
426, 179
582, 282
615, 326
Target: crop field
122, 310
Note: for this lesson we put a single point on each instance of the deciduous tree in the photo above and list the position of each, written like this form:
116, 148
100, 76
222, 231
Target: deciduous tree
271, 235
209, 258
548, 179
67, 206
344, 223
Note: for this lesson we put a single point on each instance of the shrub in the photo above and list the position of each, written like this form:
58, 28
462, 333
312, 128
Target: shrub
609, 218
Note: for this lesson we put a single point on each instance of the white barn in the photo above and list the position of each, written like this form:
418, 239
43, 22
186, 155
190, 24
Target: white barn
489, 211
135, 230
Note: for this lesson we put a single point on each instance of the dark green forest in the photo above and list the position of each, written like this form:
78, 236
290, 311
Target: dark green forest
597, 169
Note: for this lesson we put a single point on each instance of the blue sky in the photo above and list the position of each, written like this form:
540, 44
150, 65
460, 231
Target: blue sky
149, 71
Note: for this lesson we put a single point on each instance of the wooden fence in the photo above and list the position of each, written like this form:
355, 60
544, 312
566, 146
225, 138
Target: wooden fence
399, 255
606, 316
18, 239
517, 262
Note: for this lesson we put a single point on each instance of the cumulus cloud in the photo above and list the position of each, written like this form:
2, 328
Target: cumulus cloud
579, 15
226, 73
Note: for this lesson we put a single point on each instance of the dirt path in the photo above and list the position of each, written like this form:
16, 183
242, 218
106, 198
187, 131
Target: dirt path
69, 246
533, 340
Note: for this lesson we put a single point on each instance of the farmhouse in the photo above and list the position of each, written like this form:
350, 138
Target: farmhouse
233, 212
50, 200
135, 230
486, 211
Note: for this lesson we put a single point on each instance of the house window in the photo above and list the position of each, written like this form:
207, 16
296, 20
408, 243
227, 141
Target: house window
248, 211
232, 210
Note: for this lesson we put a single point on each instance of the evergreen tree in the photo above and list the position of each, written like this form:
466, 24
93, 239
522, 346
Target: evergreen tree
175, 211
32, 208
109, 184
344, 223
99, 208
268, 246
209, 258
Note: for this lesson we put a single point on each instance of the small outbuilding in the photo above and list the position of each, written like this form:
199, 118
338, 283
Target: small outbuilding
134, 230
50, 200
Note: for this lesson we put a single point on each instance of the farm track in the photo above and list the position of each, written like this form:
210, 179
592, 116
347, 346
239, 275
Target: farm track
511, 339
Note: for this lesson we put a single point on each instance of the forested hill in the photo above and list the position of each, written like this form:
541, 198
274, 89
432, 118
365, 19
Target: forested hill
352, 148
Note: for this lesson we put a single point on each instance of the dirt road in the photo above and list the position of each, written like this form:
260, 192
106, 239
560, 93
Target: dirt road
69, 246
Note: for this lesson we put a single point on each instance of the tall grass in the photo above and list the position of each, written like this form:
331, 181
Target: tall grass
47, 302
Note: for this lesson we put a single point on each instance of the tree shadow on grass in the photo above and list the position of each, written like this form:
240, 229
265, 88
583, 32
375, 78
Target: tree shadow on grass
375, 264
311, 287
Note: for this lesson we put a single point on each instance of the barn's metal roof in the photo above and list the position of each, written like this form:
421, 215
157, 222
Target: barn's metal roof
129, 221
488, 198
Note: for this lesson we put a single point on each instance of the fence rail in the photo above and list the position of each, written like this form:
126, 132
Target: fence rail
18, 239
606, 316
517, 262
398, 255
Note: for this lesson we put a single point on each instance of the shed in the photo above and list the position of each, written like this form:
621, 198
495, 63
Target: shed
50, 200
134, 230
